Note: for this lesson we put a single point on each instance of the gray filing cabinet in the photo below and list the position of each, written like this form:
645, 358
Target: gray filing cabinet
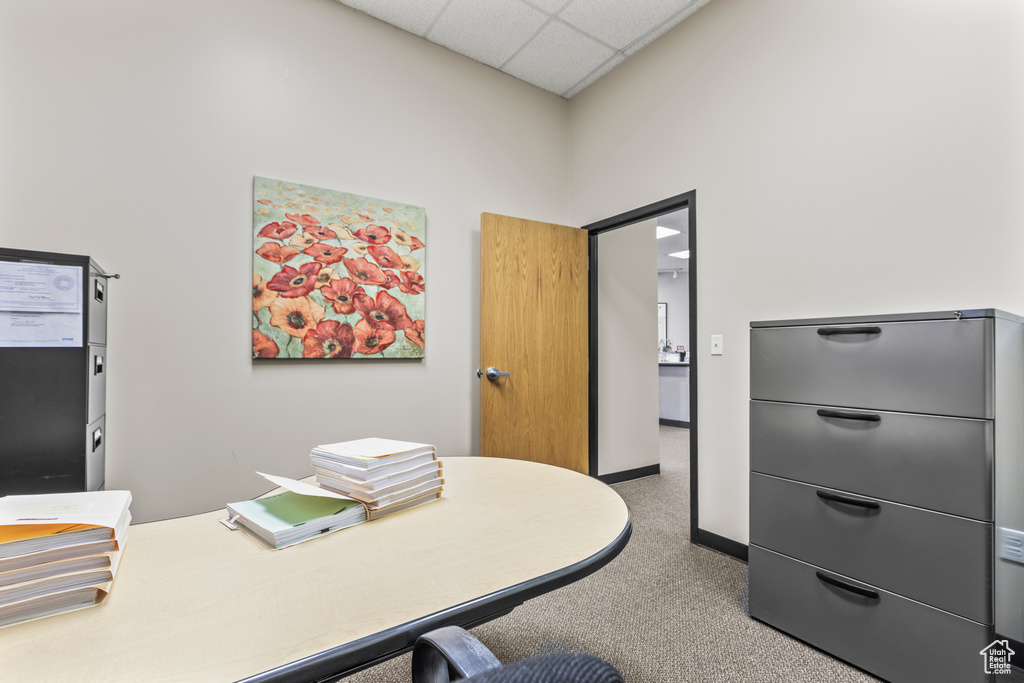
887, 488
53, 398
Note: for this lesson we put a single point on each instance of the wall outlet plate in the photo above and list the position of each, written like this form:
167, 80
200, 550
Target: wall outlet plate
716, 345
1011, 544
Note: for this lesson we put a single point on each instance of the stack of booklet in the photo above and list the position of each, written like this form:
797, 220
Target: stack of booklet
383, 474
60, 551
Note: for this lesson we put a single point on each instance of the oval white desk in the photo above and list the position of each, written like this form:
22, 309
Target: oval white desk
193, 601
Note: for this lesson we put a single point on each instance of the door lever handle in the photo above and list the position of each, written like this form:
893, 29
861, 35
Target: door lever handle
492, 373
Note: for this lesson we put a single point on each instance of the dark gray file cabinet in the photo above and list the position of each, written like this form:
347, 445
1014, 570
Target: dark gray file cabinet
52, 402
886, 469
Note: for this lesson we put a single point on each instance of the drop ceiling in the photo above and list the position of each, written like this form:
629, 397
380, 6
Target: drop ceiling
559, 45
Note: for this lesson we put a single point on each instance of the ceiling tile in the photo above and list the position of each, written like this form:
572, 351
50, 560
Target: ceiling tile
666, 27
414, 16
489, 32
620, 23
549, 6
558, 58
595, 75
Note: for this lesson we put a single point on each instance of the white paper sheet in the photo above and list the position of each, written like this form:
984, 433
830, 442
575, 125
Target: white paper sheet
40, 287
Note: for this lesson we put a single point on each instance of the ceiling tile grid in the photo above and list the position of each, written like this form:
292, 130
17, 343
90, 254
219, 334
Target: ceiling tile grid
562, 46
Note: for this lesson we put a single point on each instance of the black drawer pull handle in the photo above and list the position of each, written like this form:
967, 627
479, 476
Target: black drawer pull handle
863, 592
847, 415
848, 500
829, 331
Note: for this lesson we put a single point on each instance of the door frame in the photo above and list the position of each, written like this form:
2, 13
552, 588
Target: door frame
687, 200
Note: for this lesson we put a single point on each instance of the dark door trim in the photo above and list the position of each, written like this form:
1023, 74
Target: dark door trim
687, 200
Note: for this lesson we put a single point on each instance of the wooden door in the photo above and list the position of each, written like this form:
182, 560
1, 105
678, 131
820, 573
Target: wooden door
533, 325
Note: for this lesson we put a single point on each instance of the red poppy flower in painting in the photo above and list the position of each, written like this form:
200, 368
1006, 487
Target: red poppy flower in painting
325, 253
296, 316
321, 232
385, 256
292, 283
274, 252
263, 346
407, 240
305, 219
412, 283
417, 333
370, 340
261, 296
342, 293
329, 339
364, 272
392, 279
278, 231
374, 234
386, 313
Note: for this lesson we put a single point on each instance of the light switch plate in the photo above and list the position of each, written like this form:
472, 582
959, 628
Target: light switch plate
1011, 544
716, 345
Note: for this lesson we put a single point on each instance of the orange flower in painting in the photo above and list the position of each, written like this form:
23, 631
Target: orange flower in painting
322, 232
296, 316
412, 283
329, 339
369, 340
361, 248
325, 253
264, 201
407, 240
342, 293
348, 219
272, 251
410, 264
292, 283
278, 231
385, 256
263, 346
325, 277
302, 240
342, 231
261, 296
364, 272
417, 333
374, 234
305, 219
386, 313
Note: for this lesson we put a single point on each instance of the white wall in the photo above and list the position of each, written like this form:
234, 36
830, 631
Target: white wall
130, 130
675, 291
627, 352
848, 158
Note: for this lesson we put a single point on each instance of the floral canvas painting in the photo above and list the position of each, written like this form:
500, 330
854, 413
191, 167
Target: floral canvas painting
336, 275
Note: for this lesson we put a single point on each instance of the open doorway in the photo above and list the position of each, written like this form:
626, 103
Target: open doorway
679, 208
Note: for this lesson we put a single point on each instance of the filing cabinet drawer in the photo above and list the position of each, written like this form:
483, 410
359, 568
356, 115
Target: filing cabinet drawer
938, 559
96, 300
940, 367
887, 635
95, 454
939, 463
97, 382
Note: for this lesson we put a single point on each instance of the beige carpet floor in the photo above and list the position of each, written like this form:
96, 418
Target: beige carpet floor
664, 611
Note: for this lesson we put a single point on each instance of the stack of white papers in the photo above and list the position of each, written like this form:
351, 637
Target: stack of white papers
384, 474
60, 551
